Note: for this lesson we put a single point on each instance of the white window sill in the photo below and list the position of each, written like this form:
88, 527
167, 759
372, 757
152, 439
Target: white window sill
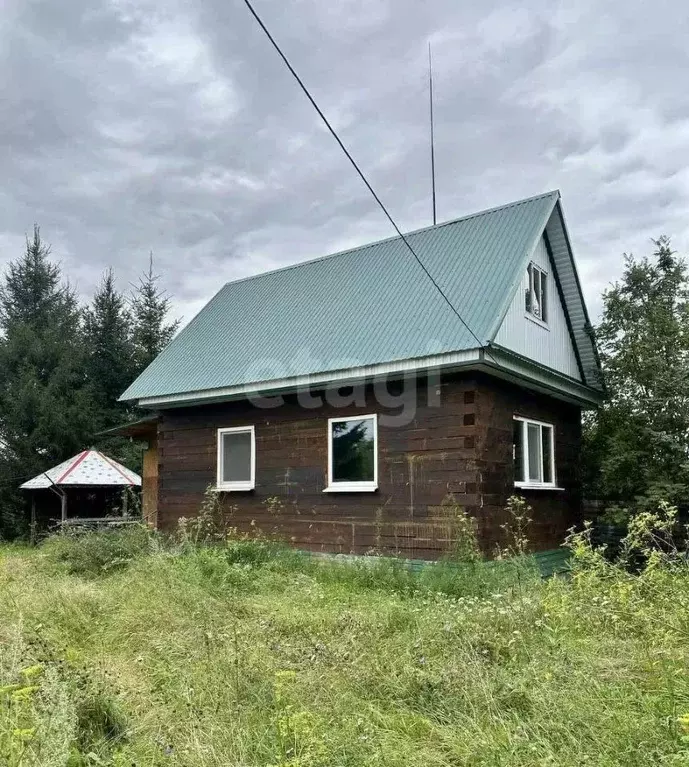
536, 321
361, 487
239, 487
531, 486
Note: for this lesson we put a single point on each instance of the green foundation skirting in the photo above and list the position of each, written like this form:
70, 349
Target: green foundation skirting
549, 562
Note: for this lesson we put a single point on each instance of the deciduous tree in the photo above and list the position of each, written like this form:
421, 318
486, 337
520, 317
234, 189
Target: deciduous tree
638, 443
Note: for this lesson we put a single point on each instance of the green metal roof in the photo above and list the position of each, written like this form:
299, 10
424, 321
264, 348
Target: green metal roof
365, 306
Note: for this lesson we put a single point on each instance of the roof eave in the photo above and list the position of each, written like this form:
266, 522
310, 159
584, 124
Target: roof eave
509, 365
495, 361
142, 428
565, 231
344, 377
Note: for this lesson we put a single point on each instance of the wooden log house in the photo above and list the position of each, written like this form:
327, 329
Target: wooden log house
349, 404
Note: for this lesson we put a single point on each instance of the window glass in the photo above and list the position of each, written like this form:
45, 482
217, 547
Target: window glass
236, 456
534, 456
547, 443
536, 301
353, 450
536, 294
534, 447
518, 448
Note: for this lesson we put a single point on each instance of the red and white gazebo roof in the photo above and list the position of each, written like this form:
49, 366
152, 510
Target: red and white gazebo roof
89, 468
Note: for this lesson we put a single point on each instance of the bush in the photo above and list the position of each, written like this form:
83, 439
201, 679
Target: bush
97, 553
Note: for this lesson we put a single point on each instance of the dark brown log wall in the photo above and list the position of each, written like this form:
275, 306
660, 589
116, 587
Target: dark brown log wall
460, 447
554, 512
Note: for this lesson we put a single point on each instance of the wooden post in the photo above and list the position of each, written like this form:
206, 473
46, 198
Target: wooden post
64, 506
125, 502
149, 489
33, 519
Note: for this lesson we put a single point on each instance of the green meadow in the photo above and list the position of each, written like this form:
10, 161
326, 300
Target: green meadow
122, 649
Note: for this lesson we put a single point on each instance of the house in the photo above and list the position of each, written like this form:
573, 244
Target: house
340, 402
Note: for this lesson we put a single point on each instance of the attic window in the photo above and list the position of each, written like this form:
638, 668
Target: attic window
537, 293
236, 458
534, 453
352, 454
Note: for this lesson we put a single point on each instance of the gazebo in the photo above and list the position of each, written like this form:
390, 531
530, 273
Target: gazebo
88, 486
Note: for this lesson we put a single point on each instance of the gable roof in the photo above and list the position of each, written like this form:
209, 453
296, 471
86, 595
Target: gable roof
88, 468
355, 309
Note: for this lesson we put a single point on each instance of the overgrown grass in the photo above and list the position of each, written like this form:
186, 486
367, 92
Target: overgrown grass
248, 654
91, 554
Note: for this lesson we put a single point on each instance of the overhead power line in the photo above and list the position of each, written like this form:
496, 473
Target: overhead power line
357, 168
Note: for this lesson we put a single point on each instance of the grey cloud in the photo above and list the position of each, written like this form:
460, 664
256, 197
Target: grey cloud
129, 126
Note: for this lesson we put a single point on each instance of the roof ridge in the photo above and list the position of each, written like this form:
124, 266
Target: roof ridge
76, 460
393, 237
115, 465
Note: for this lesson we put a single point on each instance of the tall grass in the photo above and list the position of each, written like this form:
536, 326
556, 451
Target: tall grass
247, 654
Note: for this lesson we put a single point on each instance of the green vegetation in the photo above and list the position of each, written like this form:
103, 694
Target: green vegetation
63, 367
636, 444
122, 649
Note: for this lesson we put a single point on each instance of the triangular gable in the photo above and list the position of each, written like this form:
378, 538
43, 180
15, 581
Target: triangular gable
547, 343
566, 344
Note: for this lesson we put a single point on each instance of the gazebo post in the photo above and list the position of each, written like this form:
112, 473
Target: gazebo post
63, 506
125, 502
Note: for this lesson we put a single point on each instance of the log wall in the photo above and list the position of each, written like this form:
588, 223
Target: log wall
459, 446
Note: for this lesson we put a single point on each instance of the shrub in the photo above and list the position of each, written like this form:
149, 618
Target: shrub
211, 525
98, 552
464, 532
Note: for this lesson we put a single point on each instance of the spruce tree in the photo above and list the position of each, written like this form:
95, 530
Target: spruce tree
150, 308
109, 350
46, 406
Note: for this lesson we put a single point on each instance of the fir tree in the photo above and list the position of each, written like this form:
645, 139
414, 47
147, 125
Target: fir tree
46, 407
150, 308
109, 349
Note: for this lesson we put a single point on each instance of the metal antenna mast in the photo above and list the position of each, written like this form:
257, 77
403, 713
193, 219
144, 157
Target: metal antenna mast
430, 83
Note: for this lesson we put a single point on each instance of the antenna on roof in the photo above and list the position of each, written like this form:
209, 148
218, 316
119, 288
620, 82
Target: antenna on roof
430, 89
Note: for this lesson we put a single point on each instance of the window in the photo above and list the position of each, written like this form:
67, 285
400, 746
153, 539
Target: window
534, 453
353, 454
236, 458
537, 293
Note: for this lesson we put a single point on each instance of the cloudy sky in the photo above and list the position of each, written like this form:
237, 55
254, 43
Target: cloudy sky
173, 126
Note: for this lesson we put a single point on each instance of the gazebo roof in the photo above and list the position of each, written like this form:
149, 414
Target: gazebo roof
89, 468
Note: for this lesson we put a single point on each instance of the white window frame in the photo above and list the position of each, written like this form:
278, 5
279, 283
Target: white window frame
235, 486
530, 290
525, 482
352, 487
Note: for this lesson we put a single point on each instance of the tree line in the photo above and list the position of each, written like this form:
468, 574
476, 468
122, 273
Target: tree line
63, 367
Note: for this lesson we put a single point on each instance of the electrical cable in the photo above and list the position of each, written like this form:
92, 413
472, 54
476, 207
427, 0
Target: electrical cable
358, 169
